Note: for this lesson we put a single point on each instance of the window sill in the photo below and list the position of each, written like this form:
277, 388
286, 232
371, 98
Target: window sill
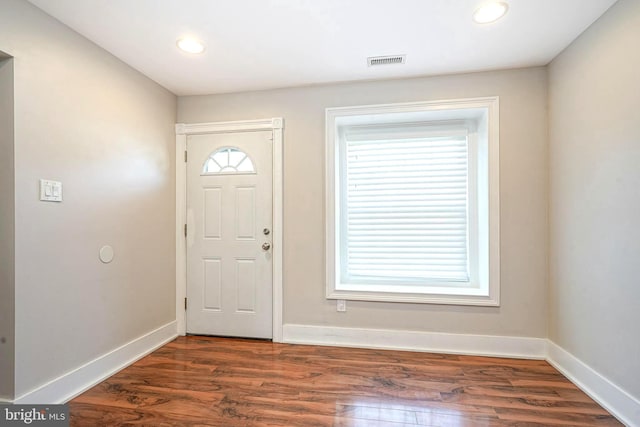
416, 298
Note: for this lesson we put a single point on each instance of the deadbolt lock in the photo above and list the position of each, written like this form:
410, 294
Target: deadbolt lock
266, 231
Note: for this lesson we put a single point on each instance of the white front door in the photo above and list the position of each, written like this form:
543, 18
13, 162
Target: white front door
229, 215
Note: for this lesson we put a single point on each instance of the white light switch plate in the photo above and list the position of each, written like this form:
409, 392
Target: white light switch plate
50, 191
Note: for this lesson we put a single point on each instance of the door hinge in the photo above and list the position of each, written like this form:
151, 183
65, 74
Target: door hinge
185, 230
185, 156
185, 303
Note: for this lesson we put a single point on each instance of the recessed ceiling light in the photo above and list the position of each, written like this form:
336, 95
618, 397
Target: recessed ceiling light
190, 45
490, 12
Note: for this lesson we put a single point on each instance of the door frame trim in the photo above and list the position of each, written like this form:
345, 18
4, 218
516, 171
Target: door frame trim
183, 130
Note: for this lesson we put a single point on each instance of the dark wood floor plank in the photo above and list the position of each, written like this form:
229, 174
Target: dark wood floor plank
207, 381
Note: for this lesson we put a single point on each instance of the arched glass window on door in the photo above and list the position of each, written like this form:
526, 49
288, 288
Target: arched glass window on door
228, 160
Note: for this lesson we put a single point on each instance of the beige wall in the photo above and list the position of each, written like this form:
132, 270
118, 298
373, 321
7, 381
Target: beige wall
85, 118
523, 139
595, 196
6, 229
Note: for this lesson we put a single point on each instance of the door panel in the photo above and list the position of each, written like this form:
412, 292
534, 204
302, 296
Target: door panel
245, 213
212, 284
229, 274
246, 285
212, 213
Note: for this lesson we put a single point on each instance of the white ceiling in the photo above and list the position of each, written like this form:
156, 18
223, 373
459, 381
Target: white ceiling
260, 44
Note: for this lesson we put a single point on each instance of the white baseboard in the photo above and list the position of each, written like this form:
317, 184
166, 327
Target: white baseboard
611, 397
71, 384
480, 345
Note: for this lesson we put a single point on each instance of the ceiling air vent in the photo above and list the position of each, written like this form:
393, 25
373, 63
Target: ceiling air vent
386, 60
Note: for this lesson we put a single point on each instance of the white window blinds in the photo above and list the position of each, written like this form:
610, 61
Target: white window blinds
404, 213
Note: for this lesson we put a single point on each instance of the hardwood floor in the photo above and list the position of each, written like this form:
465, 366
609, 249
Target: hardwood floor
205, 381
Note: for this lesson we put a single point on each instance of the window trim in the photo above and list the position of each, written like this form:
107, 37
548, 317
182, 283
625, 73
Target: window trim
417, 111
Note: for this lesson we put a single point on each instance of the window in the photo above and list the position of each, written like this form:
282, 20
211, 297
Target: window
412, 202
228, 160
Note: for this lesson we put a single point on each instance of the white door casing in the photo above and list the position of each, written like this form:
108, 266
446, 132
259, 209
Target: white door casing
232, 263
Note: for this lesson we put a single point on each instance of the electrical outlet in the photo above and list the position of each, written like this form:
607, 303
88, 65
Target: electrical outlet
341, 305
